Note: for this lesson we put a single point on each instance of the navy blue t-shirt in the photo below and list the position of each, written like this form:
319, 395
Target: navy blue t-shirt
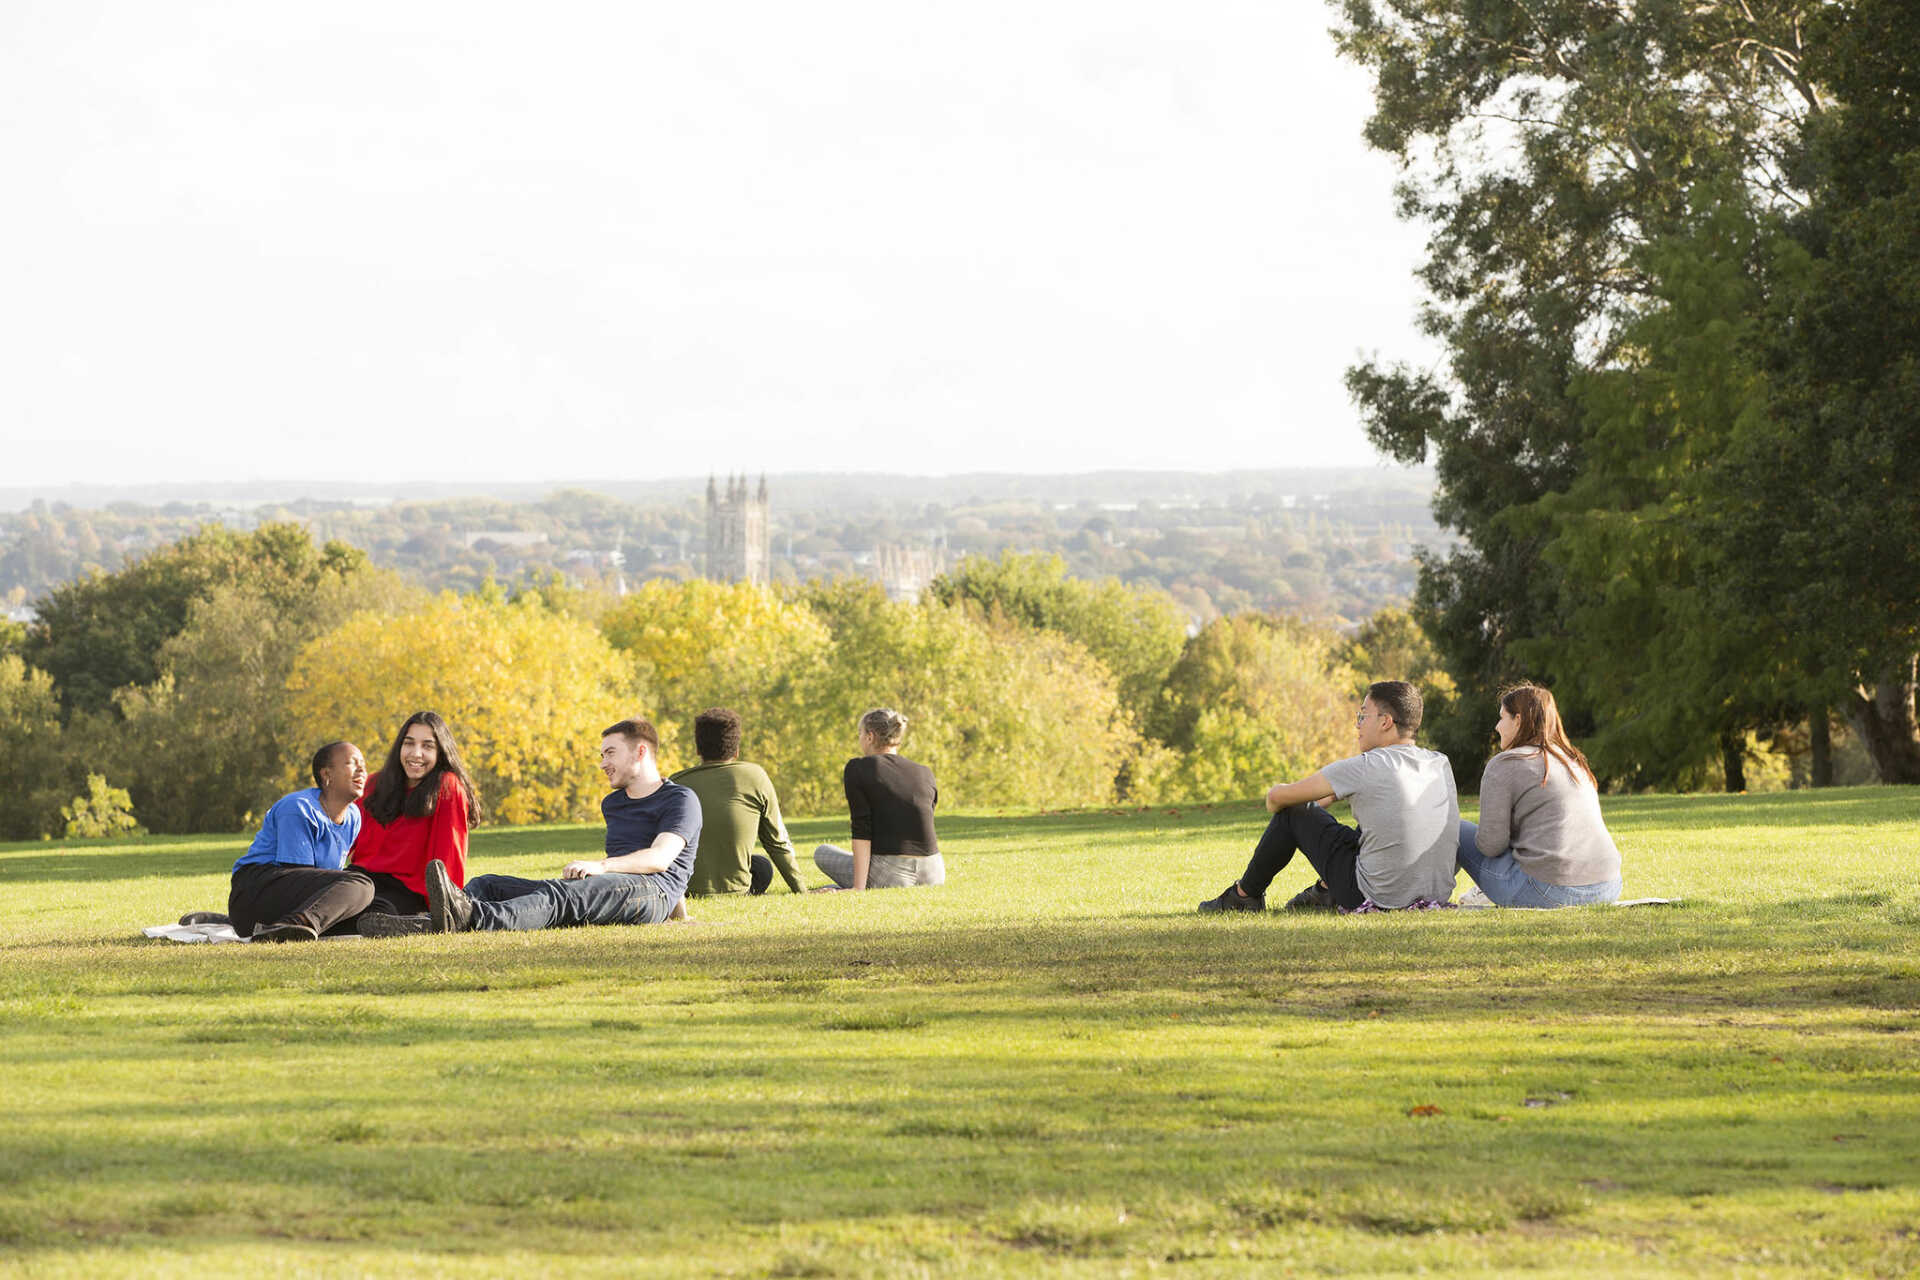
633, 824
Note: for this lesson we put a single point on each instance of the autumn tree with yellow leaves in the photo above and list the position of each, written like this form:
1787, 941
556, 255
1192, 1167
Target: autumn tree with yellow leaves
525, 690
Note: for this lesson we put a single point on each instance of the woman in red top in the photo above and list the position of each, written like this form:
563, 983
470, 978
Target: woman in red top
414, 810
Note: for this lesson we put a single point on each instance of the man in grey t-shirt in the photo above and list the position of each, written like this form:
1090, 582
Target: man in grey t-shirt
1403, 800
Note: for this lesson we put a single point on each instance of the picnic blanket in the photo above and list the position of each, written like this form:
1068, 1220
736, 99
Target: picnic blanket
1474, 899
194, 932
207, 926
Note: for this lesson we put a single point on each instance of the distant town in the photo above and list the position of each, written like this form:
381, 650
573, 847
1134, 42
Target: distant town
1333, 544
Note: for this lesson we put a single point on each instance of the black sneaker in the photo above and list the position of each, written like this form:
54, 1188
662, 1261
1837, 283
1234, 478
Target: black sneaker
382, 924
284, 931
1315, 897
205, 917
1234, 900
449, 909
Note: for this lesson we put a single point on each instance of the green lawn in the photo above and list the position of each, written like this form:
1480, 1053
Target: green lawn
1050, 1066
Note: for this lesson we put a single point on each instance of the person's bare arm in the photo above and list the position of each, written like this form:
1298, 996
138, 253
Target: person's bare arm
862, 859
1283, 795
656, 857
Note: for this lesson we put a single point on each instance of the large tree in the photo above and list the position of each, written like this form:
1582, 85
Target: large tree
1558, 150
1831, 480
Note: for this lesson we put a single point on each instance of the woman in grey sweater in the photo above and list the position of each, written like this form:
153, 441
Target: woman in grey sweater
1540, 841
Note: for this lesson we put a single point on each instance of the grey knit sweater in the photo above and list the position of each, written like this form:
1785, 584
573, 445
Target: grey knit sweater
1555, 833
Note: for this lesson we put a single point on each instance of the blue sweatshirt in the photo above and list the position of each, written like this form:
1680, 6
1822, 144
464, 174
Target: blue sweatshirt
298, 833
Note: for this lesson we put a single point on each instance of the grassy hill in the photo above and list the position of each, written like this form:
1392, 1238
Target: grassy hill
1050, 1066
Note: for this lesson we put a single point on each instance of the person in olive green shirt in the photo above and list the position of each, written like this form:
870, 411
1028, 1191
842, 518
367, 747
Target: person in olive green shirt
739, 807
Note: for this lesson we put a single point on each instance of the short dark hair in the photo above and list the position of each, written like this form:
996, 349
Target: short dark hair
323, 758
716, 734
635, 729
1400, 700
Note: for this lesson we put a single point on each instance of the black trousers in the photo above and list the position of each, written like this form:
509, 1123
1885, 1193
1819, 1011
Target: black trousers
270, 893
760, 873
1334, 850
391, 895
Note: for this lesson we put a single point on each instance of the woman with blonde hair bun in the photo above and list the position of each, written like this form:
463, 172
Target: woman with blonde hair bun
1540, 841
890, 800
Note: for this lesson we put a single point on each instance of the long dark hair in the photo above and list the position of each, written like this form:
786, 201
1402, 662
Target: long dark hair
1540, 726
389, 797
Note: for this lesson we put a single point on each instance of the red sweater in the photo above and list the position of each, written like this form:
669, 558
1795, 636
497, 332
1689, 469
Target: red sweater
403, 848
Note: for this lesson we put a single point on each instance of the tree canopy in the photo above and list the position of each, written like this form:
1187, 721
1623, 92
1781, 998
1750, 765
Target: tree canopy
1666, 398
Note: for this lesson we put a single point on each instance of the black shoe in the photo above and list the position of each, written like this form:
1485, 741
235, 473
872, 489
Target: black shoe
449, 910
382, 924
284, 931
1315, 897
1234, 900
205, 917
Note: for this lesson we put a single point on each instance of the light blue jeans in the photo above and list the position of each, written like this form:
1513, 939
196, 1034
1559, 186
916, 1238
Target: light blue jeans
884, 870
1506, 885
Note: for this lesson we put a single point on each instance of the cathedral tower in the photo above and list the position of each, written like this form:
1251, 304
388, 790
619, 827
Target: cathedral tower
737, 532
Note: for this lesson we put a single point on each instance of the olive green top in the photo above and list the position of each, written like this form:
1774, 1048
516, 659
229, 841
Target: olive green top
738, 807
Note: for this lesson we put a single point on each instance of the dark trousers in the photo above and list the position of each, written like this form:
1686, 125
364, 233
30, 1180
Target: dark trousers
272, 893
391, 895
508, 902
1331, 848
760, 871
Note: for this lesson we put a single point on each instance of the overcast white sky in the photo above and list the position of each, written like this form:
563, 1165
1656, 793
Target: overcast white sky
481, 240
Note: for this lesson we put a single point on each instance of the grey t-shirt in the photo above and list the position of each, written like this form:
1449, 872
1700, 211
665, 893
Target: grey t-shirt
1409, 817
1554, 832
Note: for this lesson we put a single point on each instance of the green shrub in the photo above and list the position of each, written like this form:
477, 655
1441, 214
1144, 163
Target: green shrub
102, 811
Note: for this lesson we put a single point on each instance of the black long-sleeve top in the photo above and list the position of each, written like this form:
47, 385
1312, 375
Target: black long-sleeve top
891, 799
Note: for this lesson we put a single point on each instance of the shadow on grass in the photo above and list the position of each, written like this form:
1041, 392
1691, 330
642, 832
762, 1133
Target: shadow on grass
1845, 949
84, 865
968, 1127
1838, 806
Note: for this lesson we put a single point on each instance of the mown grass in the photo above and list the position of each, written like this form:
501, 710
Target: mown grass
1049, 1066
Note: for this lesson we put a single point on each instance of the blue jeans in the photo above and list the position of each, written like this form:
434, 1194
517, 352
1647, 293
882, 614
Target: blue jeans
614, 897
1506, 885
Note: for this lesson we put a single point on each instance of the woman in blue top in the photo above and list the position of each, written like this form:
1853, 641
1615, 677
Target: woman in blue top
292, 885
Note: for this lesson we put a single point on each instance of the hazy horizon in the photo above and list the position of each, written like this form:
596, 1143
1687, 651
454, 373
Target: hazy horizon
262, 492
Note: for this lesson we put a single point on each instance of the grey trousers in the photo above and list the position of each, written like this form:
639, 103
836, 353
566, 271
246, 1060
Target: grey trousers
884, 870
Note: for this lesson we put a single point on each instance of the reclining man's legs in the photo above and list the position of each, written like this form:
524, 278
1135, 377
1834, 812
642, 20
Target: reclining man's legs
511, 903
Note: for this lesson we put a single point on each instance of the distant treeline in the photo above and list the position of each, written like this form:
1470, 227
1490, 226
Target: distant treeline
1333, 545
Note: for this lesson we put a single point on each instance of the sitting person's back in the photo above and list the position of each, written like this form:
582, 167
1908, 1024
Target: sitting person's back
739, 809
1400, 854
890, 803
1406, 810
1540, 841
1551, 827
890, 800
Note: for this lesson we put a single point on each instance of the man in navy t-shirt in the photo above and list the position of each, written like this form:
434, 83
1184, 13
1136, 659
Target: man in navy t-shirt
653, 832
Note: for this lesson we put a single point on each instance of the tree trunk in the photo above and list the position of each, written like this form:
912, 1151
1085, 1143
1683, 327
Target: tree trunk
1885, 716
1733, 754
1820, 733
